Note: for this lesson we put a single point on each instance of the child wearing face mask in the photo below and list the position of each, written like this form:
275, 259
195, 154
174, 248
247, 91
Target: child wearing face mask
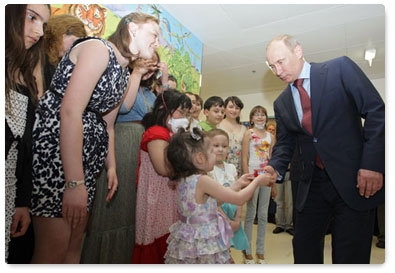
156, 207
257, 146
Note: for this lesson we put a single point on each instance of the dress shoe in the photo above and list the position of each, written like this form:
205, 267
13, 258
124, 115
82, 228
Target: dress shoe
290, 231
380, 244
278, 230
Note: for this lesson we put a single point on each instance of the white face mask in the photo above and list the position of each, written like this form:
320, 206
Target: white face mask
260, 126
178, 123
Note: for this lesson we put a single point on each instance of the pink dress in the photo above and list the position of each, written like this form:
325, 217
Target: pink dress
156, 207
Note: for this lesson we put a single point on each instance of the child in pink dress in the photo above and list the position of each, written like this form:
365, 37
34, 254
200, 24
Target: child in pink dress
156, 207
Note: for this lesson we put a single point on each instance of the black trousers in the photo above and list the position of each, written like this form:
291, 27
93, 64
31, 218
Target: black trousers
351, 230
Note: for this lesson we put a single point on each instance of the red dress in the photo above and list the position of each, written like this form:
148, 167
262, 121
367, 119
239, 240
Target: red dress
156, 205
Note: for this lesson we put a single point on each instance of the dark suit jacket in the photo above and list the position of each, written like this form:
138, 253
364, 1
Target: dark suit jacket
340, 94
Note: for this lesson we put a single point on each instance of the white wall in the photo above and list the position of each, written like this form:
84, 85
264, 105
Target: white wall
267, 99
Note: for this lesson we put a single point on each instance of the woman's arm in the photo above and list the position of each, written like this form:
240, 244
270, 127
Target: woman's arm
87, 72
245, 149
140, 67
157, 154
111, 166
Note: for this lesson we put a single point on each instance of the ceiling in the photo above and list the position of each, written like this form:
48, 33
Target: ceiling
235, 36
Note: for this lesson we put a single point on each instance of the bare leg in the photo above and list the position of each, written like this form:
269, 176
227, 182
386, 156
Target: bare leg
55, 242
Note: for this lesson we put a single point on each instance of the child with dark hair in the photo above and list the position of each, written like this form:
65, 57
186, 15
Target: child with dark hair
156, 207
202, 235
214, 110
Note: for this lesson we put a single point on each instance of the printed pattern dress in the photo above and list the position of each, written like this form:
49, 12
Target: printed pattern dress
48, 175
234, 153
156, 205
202, 235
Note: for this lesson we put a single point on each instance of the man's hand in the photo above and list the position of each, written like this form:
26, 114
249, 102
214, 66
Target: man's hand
369, 182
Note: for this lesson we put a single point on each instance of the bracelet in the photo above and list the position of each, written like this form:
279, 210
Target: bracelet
165, 86
73, 183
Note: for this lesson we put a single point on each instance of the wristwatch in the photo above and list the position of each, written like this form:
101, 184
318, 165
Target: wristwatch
73, 183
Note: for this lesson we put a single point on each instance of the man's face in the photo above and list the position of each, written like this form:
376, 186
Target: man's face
284, 62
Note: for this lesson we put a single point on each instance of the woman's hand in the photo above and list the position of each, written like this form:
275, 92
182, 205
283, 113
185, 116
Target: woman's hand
74, 205
20, 221
112, 183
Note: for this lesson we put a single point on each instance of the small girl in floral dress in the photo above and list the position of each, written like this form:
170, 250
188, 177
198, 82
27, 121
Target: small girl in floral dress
202, 235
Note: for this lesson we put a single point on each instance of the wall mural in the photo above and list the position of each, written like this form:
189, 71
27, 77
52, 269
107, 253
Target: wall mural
179, 48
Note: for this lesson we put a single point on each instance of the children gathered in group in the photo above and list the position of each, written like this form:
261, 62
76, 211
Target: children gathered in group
202, 234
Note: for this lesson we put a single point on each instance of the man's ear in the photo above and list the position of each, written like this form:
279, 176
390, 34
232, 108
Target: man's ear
205, 112
298, 51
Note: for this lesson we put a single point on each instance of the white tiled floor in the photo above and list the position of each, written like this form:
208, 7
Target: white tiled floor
278, 249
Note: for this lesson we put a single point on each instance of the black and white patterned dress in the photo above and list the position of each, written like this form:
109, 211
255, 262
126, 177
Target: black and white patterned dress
48, 175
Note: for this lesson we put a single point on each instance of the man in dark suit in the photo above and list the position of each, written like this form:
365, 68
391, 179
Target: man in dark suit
340, 158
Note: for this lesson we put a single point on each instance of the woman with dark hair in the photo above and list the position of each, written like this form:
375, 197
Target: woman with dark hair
24, 27
231, 124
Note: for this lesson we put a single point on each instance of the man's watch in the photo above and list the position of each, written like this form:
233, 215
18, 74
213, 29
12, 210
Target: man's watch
73, 183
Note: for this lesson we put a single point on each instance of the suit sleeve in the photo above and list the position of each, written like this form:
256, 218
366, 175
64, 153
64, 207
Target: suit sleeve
285, 142
371, 108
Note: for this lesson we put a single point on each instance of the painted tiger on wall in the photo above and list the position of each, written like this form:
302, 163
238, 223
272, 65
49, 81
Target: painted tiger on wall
92, 15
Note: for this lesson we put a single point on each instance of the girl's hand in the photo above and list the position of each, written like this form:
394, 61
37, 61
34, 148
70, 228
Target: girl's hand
74, 205
274, 191
164, 69
20, 221
235, 225
242, 182
112, 183
266, 179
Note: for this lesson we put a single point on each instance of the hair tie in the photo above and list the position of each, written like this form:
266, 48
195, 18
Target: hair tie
164, 103
194, 135
127, 21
